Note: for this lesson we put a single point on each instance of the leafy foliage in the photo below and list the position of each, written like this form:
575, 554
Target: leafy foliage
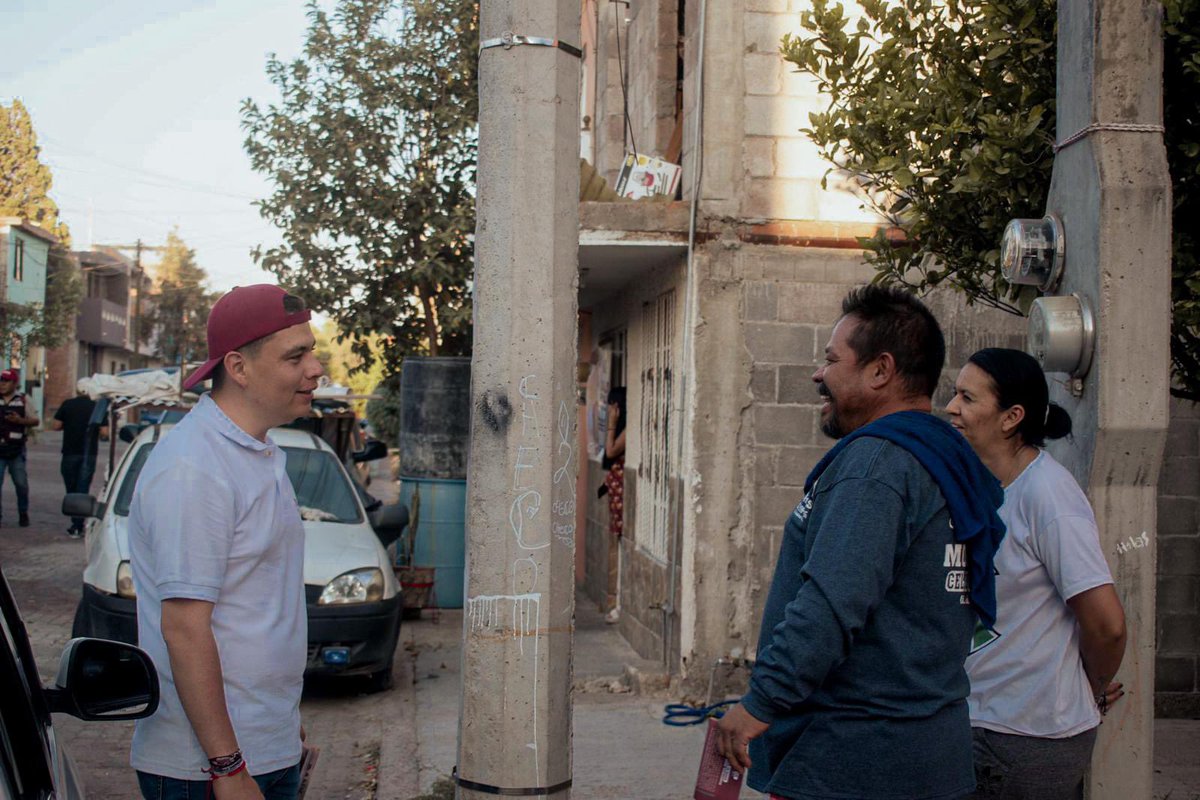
344, 366
383, 411
372, 153
24, 192
178, 317
1181, 117
943, 113
24, 180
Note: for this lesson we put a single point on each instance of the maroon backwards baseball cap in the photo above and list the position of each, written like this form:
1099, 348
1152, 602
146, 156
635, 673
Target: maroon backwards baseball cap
246, 314
9, 375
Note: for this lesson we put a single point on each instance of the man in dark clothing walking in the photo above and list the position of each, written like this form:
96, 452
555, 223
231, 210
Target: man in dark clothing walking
16, 418
80, 444
859, 689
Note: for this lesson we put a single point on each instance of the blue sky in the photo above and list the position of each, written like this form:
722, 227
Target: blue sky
136, 105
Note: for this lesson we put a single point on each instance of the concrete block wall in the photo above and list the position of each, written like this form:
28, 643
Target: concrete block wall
653, 35
1177, 661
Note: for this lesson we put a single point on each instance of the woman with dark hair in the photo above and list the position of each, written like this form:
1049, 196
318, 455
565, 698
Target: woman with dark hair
614, 461
1040, 680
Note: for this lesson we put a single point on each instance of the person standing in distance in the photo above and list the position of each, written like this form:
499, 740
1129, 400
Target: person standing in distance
16, 418
217, 550
80, 445
859, 689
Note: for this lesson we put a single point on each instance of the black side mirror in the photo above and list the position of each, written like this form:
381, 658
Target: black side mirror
81, 505
373, 450
103, 680
389, 522
129, 432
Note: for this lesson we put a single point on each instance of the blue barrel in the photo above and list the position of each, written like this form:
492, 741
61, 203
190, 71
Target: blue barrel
439, 539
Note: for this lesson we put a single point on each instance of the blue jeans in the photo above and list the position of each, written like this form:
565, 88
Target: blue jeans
282, 784
77, 474
20, 479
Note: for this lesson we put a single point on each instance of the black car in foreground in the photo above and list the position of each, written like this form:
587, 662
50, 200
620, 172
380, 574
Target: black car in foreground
97, 680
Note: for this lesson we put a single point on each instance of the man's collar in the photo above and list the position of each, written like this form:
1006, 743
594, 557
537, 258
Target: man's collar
227, 427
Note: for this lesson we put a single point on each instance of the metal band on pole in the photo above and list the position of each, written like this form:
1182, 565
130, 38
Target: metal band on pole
509, 40
1127, 127
532, 791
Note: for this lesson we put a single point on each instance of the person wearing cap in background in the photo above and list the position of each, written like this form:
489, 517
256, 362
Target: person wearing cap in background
80, 445
16, 418
217, 550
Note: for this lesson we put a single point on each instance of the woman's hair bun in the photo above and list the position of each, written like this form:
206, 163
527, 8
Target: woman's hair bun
1058, 422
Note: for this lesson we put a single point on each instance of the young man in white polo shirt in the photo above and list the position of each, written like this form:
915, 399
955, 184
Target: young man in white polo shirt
218, 556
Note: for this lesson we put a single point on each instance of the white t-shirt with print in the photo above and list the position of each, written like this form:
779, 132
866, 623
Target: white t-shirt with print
1030, 680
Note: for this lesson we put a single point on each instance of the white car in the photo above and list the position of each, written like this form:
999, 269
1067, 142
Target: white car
353, 597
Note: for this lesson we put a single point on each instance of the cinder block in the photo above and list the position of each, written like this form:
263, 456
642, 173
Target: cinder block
796, 384
790, 425
761, 301
796, 462
1180, 477
760, 156
769, 6
764, 31
778, 343
1174, 674
762, 384
773, 504
778, 198
764, 73
1177, 516
816, 303
772, 116
764, 465
1179, 634
1178, 594
1179, 555
799, 158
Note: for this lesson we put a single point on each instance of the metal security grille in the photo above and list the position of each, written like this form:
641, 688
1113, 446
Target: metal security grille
657, 414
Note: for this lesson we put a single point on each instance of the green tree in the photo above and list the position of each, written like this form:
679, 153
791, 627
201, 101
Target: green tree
24, 192
942, 112
372, 152
24, 180
344, 366
178, 317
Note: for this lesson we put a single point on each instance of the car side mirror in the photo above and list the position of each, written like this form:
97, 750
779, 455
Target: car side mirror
373, 450
129, 432
103, 680
389, 522
77, 504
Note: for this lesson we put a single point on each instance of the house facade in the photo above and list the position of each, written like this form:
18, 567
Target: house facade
713, 311
25, 250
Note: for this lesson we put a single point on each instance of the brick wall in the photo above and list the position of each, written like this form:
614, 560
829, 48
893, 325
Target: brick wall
1177, 662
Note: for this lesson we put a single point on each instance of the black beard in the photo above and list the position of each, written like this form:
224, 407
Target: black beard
832, 425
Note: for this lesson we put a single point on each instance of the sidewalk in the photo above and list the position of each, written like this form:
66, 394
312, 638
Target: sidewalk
621, 748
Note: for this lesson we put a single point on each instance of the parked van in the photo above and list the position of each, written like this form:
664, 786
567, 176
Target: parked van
354, 601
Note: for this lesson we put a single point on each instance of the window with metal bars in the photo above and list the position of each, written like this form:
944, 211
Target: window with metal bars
652, 532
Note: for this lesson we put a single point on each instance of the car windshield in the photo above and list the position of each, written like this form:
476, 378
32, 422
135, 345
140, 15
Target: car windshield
322, 489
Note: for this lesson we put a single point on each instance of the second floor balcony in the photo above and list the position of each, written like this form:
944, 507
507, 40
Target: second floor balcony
102, 322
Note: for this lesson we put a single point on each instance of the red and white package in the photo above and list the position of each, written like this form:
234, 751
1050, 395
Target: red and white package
717, 779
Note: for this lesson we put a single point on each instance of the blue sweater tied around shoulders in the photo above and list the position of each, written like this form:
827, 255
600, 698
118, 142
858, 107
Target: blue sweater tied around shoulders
972, 493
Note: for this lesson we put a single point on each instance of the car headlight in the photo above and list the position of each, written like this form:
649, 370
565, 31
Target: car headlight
125, 580
359, 586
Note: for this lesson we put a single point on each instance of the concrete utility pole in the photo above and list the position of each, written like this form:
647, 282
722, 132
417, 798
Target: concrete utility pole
515, 725
1112, 191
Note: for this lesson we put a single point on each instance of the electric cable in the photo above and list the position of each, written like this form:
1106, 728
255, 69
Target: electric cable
621, 74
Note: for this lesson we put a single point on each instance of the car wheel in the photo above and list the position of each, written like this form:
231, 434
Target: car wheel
81, 626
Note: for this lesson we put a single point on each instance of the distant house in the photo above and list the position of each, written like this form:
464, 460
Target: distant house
25, 250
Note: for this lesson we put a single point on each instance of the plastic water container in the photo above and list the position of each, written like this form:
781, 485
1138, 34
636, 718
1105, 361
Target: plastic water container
435, 417
439, 538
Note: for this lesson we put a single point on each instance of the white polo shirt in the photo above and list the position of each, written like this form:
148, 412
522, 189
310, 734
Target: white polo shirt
214, 518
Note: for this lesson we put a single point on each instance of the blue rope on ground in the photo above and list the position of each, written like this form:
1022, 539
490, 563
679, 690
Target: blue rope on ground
679, 714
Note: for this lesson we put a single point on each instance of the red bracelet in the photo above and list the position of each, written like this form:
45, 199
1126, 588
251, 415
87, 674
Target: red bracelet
240, 768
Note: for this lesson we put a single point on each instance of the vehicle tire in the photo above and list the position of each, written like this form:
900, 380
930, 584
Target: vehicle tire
381, 680
82, 624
